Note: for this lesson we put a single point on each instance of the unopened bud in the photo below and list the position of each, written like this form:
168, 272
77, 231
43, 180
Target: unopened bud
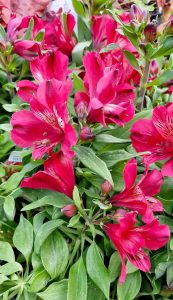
137, 15
119, 214
150, 32
69, 210
81, 110
106, 187
154, 68
169, 27
86, 134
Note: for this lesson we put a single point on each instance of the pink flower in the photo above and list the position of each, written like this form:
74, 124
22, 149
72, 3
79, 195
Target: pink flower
46, 67
139, 196
156, 136
69, 210
105, 31
58, 175
18, 26
46, 124
107, 99
130, 241
27, 49
58, 33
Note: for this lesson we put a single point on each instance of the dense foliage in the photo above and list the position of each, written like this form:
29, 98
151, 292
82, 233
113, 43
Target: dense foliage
86, 148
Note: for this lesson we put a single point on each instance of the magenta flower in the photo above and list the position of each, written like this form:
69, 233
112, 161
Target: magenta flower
59, 33
46, 67
139, 196
107, 99
156, 136
58, 175
46, 124
105, 31
28, 50
130, 241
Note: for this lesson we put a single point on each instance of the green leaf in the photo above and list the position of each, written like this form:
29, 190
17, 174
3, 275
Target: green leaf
97, 270
107, 138
13, 182
77, 200
11, 107
55, 199
38, 280
114, 266
9, 207
91, 161
6, 252
74, 221
78, 51
10, 268
113, 157
78, 7
166, 220
77, 285
54, 254
23, 237
109, 48
163, 78
169, 275
94, 293
161, 269
78, 83
2, 35
165, 49
130, 288
40, 36
29, 29
132, 59
45, 230
55, 291
124, 132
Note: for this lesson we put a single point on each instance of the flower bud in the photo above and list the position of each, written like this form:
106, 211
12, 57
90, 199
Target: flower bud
136, 13
106, 187
119, 214
86, 134
69, 210
81, 110
150, 32
154, 68
169, 27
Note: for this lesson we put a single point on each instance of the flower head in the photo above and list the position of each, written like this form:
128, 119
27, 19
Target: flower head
156, 137
130, 241
139, 196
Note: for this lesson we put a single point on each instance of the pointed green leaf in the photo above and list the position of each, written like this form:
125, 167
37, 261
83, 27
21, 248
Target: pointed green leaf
55, 291
77, 285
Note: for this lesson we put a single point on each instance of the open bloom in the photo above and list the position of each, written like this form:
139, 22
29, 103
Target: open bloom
46, 67
139, 196
107, 99
130, 241
105, 31
156, 136
46, 124
58, 175
59, 33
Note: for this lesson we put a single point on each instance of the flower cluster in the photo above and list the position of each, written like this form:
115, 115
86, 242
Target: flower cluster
105, 98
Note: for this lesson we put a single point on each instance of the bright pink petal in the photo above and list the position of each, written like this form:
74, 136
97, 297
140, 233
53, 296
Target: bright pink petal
94, 70
163, 120
41, 180
70, 139
61, 166
151, 183
130, 173
27, 49
26, 90
167, 169
51, 65
155, 235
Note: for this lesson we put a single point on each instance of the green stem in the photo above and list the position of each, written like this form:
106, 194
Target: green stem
144, 81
